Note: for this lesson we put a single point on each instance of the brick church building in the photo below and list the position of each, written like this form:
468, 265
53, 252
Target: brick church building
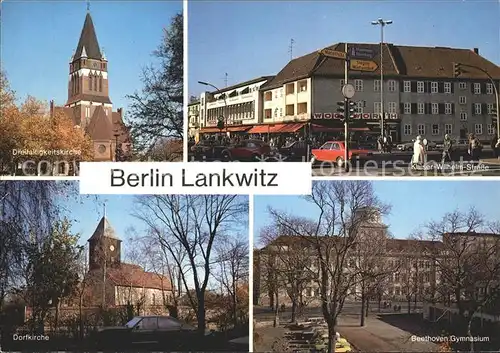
111, 282
89, 104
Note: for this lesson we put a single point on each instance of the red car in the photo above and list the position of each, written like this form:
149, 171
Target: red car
334, 151
247, 150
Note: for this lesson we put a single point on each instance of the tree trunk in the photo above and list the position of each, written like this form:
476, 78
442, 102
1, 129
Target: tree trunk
80, 317
56, 319
331, 336
363, 308
415, 303
200, 315
469, 331
367, 306
294, 309
409, 304
276, 320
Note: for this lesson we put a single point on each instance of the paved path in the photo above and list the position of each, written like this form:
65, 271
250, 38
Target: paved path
378, 336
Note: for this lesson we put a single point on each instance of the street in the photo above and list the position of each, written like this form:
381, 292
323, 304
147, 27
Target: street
383, 332
398, 164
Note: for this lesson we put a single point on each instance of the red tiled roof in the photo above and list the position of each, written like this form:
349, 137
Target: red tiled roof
100, 127
129, 275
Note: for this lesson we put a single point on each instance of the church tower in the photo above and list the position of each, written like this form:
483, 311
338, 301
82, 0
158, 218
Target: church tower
104, 246
88, 86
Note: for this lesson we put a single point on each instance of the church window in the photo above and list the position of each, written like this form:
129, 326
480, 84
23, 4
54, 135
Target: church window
95, 83
100, 83
87, 112
90, 82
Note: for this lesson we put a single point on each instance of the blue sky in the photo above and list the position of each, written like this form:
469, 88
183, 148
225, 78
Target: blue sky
38, 39
248, 39
87, 210
413, 203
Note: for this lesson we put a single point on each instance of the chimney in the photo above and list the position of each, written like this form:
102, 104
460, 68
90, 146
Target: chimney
119, 110
52, 108
476, 51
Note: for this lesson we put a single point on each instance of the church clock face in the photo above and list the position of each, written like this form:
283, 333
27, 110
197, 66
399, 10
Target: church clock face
112, 248
101, 148
94, 65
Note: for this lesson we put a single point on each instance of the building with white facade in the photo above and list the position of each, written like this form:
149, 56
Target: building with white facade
193, 118
239, 106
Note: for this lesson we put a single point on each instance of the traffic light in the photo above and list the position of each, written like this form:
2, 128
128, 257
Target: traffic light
342, 106
352, 109
220, 123
457, 70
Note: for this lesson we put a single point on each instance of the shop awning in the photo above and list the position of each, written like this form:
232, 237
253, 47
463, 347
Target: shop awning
291, 127
229, 128
264, 129
276, 128
237, 128
210, 130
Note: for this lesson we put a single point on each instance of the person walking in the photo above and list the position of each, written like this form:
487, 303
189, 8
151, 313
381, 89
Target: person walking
474, 147
493, 145
418, 152
447, 149
497, 148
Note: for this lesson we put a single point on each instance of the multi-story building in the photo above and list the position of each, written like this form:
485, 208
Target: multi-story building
88, 104
193, 118
239, 106
421, 95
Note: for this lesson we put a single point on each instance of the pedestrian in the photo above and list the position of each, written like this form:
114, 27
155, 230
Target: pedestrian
447, 145
389, 144
474, 147
418, 152
493, 145
379, 143
385, 144
497, 148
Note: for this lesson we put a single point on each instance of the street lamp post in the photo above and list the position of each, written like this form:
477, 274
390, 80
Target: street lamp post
116, 134
225, 101
382, 23
497, 97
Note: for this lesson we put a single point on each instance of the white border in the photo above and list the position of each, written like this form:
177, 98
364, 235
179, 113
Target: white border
250, 270
186, 92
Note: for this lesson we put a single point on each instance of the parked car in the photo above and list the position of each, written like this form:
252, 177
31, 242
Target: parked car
408, 146
334, 151
295, 151
157, 331
207, 150
247, 150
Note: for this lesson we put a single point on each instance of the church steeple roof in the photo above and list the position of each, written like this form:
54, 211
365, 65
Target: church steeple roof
104, 229
88, 41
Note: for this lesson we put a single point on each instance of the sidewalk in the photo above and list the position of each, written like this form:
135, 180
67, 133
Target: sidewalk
378, 336
495, 161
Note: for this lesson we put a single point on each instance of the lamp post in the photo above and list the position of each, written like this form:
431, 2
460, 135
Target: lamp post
497, 97
382, 23
225, 101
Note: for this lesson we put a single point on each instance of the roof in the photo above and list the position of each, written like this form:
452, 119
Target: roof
100, 126
399, 60
246, 83
88, 41
88, 98
104, 229
193, 103
471, 234
129, 275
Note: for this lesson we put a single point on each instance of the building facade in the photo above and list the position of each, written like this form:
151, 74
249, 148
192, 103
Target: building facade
239, 106
194, 119
421, 95
89, 105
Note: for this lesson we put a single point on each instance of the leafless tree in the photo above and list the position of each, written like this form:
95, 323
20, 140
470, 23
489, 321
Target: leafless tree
291, 265
468, 263
342, 208
233, 261
192, 222
369, 261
